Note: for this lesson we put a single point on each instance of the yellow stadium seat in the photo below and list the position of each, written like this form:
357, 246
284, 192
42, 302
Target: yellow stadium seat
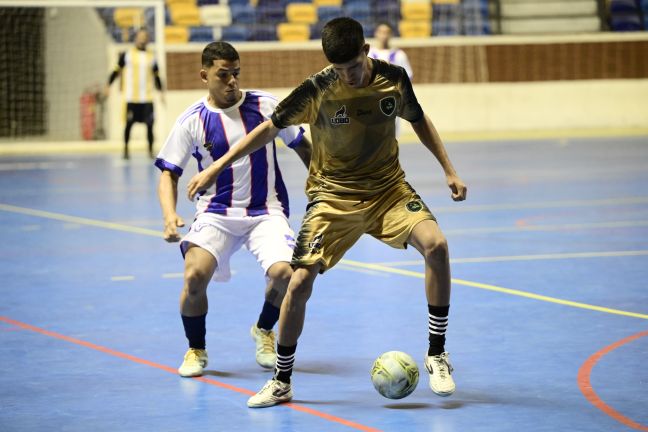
174, 2
305, 13
416, 11
128, 17
414, 29
176, 34
319, 3
293, 32
185, 14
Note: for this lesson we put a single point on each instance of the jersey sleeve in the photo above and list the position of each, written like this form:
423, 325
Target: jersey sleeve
176, 151
410, 109
298, 107
292, 136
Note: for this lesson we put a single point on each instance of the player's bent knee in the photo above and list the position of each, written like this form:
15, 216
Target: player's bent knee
280, 273
196, 280
436, 249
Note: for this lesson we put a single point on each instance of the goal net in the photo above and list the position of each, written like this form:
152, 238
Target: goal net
55, 59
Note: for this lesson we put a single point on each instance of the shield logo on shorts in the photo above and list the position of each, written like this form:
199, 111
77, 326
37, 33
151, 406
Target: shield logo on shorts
414, 206
388, 105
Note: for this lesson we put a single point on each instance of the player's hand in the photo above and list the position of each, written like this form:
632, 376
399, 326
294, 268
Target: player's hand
457, 187
200, 182
171, 226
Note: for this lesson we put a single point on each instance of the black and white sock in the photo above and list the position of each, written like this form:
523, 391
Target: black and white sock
285, 362
437, 325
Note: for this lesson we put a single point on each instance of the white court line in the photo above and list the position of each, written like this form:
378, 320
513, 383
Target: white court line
558, 227
122, 278
542, 204
538, 257
342, 266
172, 275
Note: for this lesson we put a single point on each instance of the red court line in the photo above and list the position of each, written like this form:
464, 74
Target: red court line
586, 386
174, 371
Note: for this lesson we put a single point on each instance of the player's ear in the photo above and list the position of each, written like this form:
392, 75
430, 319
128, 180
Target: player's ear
365, 49
203, 75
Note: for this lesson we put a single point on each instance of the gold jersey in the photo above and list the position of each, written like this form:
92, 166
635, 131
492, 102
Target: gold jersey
355, 151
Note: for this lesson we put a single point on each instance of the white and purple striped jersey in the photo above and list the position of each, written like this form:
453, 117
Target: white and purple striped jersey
251, 186
394, 56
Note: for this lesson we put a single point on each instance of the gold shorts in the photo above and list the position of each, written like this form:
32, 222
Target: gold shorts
332, 225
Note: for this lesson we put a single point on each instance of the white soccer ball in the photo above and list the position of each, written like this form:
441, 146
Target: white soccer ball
395, 374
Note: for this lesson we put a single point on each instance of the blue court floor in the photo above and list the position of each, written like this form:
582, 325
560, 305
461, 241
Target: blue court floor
548, 326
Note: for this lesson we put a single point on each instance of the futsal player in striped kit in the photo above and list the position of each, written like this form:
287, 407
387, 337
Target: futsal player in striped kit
139, 71
247, 207
355, 186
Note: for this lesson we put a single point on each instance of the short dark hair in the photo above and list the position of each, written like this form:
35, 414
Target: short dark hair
342, 39
218, 51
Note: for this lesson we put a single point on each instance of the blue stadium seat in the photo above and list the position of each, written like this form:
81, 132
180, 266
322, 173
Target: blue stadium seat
201, 34
449, 27
623, 7
626, 22
327, 13
366, 3
264, 32
271, 14
477, 27
236, 33
474, 8
358, 11
386, 12
238, 2
243, 14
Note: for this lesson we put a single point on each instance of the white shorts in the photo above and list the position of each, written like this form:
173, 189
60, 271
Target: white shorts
268, 237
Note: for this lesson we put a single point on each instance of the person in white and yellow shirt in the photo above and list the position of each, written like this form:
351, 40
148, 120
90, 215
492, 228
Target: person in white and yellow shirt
139, 74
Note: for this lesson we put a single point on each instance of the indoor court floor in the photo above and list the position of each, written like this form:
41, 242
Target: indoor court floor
548, 321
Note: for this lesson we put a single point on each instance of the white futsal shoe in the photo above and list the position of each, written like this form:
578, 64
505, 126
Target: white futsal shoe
195, 360
273, 393
440, 371
266, 355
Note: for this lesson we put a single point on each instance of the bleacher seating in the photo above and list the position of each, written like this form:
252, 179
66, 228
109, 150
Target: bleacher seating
243, 20
293, 32
216, 15
304, 13
549, 16
625, 15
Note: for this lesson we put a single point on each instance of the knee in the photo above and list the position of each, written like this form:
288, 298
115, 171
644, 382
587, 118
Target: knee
436, 250
196, 281
280, 274
301, 286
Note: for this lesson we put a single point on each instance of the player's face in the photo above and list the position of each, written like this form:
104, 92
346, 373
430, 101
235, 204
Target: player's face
382, 34
355, 73
141, 39
222, 80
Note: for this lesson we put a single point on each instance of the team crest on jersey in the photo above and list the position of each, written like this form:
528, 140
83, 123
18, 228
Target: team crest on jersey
208, 146
388, 105
414, 206
340, 117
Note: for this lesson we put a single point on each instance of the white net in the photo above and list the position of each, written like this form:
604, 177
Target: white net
55, 59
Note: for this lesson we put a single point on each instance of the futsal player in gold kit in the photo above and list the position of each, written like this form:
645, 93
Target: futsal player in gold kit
355, 186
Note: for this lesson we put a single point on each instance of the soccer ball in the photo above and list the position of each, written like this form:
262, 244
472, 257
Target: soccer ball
395, 374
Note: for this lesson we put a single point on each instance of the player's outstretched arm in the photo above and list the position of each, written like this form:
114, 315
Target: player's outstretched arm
168, 195
430, 138
259, 137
